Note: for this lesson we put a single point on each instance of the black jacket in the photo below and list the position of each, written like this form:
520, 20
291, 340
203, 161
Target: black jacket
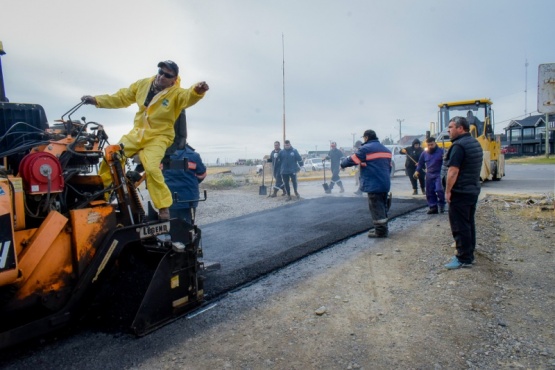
468, 181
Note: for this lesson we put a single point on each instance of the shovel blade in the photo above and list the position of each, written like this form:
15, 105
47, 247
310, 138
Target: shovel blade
262, 190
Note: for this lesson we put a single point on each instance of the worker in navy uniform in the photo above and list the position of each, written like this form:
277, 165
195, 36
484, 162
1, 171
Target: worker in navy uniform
432, 160
276, 170
413, 153
184, 182
334, 156
462, 188
291, 163
374, 160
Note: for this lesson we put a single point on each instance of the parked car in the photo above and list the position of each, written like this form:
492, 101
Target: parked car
315, 164
397, 159
509, 150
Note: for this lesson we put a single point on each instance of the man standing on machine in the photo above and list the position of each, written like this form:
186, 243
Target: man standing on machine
160, 100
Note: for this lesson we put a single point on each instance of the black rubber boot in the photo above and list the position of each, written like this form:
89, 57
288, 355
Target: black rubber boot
341, 187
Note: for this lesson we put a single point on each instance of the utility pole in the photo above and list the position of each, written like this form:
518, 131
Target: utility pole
352, 133
283, 81
400, 135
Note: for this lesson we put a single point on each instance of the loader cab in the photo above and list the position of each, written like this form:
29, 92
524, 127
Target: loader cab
477, 112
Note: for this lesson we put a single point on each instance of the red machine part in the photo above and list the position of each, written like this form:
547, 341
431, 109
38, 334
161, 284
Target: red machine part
41, 173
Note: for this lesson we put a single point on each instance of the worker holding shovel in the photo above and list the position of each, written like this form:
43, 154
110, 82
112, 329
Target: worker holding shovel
276, 171
413, 153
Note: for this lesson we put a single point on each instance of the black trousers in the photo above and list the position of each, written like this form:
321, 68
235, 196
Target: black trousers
462, 210
293, 177
377, 202
421, 178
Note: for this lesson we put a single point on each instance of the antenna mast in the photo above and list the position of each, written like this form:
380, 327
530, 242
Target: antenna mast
526, 88
283, 81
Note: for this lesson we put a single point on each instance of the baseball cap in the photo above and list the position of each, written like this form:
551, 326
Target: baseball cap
370, 134
169, 64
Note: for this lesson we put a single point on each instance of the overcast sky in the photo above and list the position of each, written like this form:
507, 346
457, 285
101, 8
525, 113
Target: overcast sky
349, 65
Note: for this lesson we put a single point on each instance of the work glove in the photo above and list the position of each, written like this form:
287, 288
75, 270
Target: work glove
416, 175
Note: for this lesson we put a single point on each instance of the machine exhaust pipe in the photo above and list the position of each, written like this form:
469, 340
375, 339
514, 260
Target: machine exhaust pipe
3, 98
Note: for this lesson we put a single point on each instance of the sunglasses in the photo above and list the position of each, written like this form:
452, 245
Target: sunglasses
162, 73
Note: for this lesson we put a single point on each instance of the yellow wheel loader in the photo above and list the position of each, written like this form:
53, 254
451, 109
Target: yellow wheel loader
480, 116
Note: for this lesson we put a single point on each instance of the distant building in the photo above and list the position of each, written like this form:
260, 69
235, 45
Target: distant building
527, 136
408, 139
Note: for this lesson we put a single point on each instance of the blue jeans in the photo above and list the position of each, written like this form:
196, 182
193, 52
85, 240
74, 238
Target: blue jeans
186, 214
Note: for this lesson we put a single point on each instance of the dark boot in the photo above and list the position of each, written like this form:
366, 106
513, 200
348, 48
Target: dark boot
341, 187
298, 196
164, 214
372, 234
274, 194
288, 198
423, 191
415, 192
432, 211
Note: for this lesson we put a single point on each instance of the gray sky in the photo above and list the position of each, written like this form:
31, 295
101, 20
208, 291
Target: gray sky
349, 65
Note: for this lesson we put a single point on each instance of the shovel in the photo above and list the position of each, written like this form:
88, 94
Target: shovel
262, 189
325, 184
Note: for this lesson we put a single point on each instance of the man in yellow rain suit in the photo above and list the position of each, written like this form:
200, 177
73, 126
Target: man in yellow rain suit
160, 100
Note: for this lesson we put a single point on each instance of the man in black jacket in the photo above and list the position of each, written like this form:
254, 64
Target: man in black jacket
462, 188
413, 153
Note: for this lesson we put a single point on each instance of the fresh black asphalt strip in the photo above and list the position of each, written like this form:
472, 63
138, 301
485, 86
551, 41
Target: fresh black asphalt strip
253, 245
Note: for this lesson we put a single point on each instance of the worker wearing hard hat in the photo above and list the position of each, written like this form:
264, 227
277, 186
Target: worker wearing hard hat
160, 100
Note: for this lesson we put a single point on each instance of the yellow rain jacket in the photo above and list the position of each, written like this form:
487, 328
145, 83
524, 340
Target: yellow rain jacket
152, 132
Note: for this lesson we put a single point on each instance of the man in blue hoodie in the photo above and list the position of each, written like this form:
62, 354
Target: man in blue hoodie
374, 160
291, 161
432, 160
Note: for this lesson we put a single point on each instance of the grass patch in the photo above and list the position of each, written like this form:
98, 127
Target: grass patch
532, 160
220, 182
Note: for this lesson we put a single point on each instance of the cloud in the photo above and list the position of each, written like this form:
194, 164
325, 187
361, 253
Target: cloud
349, 65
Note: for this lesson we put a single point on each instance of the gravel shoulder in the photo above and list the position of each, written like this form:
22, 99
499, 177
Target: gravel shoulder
390, 304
